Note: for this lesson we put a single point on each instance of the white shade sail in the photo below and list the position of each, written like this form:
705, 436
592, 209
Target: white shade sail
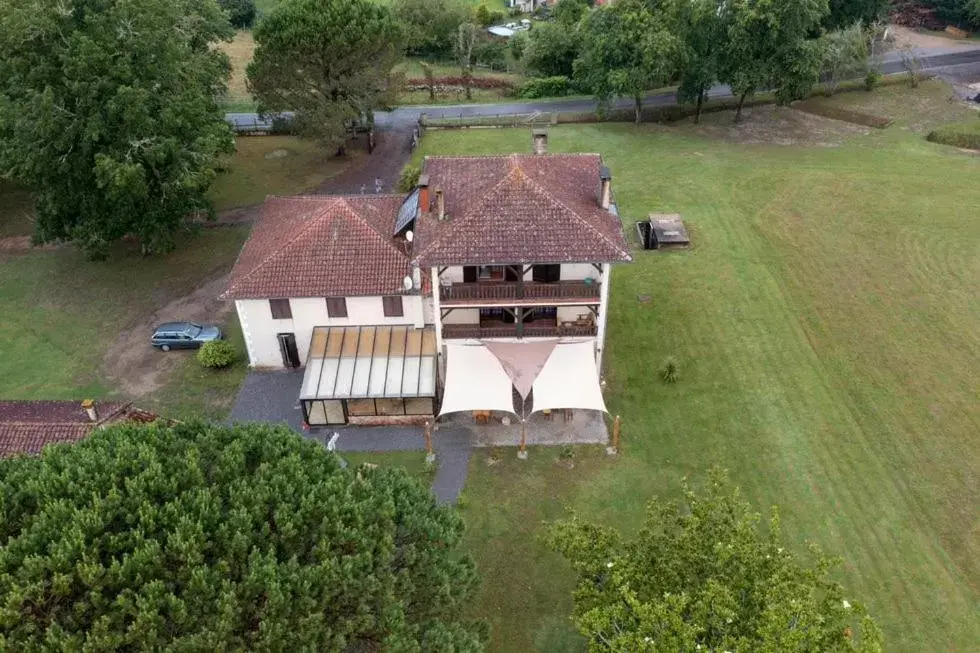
569, 379
475, 380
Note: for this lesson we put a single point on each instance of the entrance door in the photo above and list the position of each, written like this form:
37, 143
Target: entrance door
287, 347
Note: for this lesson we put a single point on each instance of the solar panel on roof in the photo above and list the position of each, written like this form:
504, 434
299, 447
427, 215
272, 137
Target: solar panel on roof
409, 209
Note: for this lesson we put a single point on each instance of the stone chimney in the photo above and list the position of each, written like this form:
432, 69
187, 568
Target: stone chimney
605, 187
440, 204
539, 141
89, 407
423, 194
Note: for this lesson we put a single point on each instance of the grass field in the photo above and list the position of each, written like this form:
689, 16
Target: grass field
60, 313
257, 169
825, 322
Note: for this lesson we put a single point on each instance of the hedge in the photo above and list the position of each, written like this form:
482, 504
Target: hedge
418, 83
545, 87
959, 134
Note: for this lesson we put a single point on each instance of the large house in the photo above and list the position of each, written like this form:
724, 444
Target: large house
370, 293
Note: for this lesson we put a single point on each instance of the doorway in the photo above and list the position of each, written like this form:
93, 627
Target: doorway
288, 349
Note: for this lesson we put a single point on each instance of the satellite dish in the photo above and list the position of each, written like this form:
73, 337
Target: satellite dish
407, 282
409, 235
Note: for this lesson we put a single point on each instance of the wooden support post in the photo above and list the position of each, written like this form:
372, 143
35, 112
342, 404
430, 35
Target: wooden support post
430, 455
522, 452
613, 448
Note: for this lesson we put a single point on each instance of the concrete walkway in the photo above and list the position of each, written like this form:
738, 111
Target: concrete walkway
271, 398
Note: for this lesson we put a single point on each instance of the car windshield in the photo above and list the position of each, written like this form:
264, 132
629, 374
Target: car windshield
193, 330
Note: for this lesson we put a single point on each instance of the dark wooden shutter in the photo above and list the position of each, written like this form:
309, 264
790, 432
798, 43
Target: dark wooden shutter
336, 307
546, 273
280, 309
392, 306
470, 273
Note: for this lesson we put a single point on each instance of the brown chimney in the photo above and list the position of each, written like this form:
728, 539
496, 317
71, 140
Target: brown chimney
605, 187
539, 141
440, 204
89, 406
423, 194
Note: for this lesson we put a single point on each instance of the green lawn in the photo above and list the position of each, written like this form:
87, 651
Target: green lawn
59, 313
825, 322
258, 168
412, 461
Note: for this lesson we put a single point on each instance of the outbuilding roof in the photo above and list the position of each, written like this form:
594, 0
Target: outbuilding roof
518, 209
321, 246
26, 426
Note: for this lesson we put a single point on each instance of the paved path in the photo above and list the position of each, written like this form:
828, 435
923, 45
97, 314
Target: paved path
271, 397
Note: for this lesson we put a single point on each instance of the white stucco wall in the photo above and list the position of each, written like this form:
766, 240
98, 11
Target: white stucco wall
463, 316
579, 271
570, 313
260, 330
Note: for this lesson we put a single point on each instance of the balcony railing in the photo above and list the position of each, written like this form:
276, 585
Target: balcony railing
517, 293
530, 330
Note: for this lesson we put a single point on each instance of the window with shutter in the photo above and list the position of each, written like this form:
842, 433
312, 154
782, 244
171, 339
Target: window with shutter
336, 307
280, 309
392, 306
470, 273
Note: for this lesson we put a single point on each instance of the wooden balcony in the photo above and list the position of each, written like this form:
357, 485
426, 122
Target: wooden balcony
513, 293
536, 329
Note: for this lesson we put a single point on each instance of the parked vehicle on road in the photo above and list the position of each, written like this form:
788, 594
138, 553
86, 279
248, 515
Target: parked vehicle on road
183, 335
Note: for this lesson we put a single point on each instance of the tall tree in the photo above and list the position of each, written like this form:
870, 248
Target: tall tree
465, 42
845, 54
430, 25
328, 61
627, 49
208, 538
569, 12
703, 27
847, 12
552, 48
702, 575
771, 45
108, 112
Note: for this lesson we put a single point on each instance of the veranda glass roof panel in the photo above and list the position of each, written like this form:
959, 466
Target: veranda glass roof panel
370, 362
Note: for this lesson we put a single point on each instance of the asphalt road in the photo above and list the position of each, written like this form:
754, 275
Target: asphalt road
932, 61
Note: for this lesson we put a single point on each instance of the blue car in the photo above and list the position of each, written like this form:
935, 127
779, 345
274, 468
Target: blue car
183, 335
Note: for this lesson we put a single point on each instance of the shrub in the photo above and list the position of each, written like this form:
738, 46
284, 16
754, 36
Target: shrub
872, 79
545, 87
217, 354
964, 134
409, 178
669, 371
567, 452
241, 13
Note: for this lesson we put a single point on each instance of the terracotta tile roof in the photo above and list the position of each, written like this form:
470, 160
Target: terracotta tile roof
321, 246
518, 209
26, 426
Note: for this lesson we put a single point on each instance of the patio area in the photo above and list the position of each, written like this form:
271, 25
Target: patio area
580, 427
